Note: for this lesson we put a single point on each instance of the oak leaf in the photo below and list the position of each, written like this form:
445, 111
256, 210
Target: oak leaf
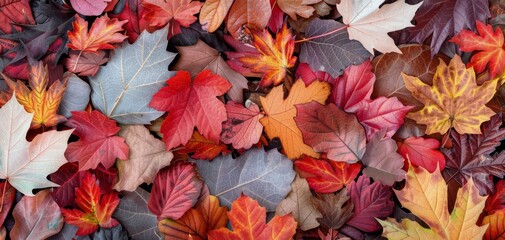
40, 100
425, 195
242, 129
191, 103
369, 24
297, 7
454, 100
422, 152
248, 220
213, 13
25, 165
279, 114
252, 14
490, 45
95, 209
274, 57
202, 148
103, 33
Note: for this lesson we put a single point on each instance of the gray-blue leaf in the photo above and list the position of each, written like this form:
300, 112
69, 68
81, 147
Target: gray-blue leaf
76, 96
124, 87
263, 176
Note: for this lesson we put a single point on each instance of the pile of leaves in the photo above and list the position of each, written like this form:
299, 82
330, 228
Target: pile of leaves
252, 119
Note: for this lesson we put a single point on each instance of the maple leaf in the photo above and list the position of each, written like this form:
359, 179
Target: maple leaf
42, 101
279, 113
247, 218
175, 190
331, 130
132, 12
147, 156
213, 13
299, 204
471, 156
242, 129
36, 217
85, 64
178, 12
95, 209
422, 152
496, 201
334, 208
203, 148
14, 12
490, 45
97, 141
351, 90
25, 165
425, 195
371, 201
251, 14
196, 222
496, 223
300, 7
191, 103
326, 176
369, 24
454, 100
102, 34
274, 57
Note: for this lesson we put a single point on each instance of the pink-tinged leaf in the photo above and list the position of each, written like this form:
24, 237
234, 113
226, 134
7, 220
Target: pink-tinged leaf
37, 217
8, 199
243, 128
175, 190
331, 130
308, 75
241, 50
85, 64
89, 7
382, 113
354, 87
371, 200
422, 152
496, 201
97, 141
276, 19
132, 12
191, 103
327, 176
14, 12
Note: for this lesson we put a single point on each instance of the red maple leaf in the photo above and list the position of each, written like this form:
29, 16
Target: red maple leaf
178, 12
191, 103
97, 143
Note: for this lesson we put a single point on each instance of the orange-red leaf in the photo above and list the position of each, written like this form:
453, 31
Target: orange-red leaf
252, 14
274, 57
242, 129
203, 148
490, 45
179, 12
103, 33
94, 210
422, 152
247, 218
40, 100
326, 176
496, 228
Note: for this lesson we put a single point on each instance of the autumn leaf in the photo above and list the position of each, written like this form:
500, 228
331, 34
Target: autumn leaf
85, 64
40, 100
175, 190
325, 176
242, 129
496, 201
203, 148
89, 7
95, 209
335, 209
103, 33
454, 100
8, 196
422, 152
496, 222
353, 88
425, 195
251, 14
332, 131
25, 165
279, 113
369, 24
274, 57
147, 157
178, 12
97, 141
247, 218
489, 43
10, 13
297, 7
299, 204
213, 13
191, 103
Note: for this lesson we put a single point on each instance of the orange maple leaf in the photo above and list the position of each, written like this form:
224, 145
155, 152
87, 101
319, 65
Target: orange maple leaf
490, 44
43, 102
247, 218
103, 33
203, 148
279, 115
273, 58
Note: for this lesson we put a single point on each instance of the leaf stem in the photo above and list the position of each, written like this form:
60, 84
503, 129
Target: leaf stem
77, 60
321, 35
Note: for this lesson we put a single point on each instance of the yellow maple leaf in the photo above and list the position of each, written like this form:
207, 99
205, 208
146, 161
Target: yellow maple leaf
454, 100
279, 115
425, 195
43, 102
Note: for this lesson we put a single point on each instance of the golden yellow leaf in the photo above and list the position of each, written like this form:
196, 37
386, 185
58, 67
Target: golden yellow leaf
425, 195
279, 115
42, 101
454, 100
